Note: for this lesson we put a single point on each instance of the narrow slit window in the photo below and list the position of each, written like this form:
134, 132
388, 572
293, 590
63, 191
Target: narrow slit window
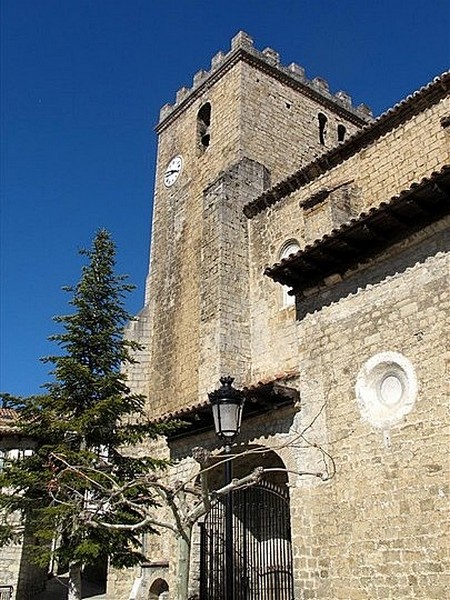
322, 128
203, 123
341, 131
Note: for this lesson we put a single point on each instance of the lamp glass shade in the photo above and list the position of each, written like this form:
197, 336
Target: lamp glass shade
227, 418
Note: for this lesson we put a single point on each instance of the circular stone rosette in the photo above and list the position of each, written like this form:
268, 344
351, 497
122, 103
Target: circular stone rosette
386, 389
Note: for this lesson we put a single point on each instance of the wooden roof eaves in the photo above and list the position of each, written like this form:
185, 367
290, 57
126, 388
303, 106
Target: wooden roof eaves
264, 396
358, 231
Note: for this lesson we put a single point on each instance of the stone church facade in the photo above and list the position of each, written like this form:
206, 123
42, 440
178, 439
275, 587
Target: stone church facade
301, 247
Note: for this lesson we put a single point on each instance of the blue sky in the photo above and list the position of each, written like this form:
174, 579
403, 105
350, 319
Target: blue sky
82, 84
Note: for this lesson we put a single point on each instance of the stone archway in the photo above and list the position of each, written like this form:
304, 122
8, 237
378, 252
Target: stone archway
159, 590
262, 534
245, 463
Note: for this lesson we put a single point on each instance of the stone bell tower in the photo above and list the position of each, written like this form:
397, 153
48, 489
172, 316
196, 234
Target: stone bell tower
243, 125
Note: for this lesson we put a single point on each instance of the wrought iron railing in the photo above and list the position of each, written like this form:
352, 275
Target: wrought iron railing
6, 592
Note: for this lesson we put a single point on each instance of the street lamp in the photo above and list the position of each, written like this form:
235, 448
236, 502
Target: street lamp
227, 404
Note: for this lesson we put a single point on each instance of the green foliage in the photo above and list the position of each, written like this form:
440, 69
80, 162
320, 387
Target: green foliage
80, 429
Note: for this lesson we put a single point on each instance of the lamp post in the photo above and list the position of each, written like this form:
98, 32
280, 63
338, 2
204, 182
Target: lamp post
227, 404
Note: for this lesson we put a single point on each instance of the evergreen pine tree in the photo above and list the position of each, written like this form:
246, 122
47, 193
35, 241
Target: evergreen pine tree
88, 419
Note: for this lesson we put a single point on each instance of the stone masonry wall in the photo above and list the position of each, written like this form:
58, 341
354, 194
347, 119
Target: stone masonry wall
384, 169
376, 530
10, 559
173, 290
252, 112
280, 125
17, 570
224, 285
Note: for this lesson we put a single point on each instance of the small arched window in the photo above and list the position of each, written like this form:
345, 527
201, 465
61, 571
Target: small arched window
203, 123
322, 128
288, 248
341, 131
159, 590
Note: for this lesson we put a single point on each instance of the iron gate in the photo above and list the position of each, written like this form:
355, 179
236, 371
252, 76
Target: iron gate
262, 551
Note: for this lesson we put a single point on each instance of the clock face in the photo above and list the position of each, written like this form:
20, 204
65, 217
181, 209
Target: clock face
173, 170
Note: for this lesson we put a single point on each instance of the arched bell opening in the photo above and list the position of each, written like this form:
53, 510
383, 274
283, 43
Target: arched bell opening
203, 126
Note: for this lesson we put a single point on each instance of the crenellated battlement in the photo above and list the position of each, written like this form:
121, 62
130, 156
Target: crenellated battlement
267, 59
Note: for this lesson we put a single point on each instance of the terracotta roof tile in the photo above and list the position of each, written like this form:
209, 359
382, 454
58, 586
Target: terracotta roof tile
8, 415
436, 186
202, 404
281, 376
8, 420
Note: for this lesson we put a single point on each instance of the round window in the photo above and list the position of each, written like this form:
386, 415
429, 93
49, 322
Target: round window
386, 389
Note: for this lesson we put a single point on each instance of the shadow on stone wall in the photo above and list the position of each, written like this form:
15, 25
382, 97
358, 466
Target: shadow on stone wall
393, 262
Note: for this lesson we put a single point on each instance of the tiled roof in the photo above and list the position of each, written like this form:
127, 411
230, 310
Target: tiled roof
8, 414
261, 396
277, 378
403, 111
368, 234
8, 420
